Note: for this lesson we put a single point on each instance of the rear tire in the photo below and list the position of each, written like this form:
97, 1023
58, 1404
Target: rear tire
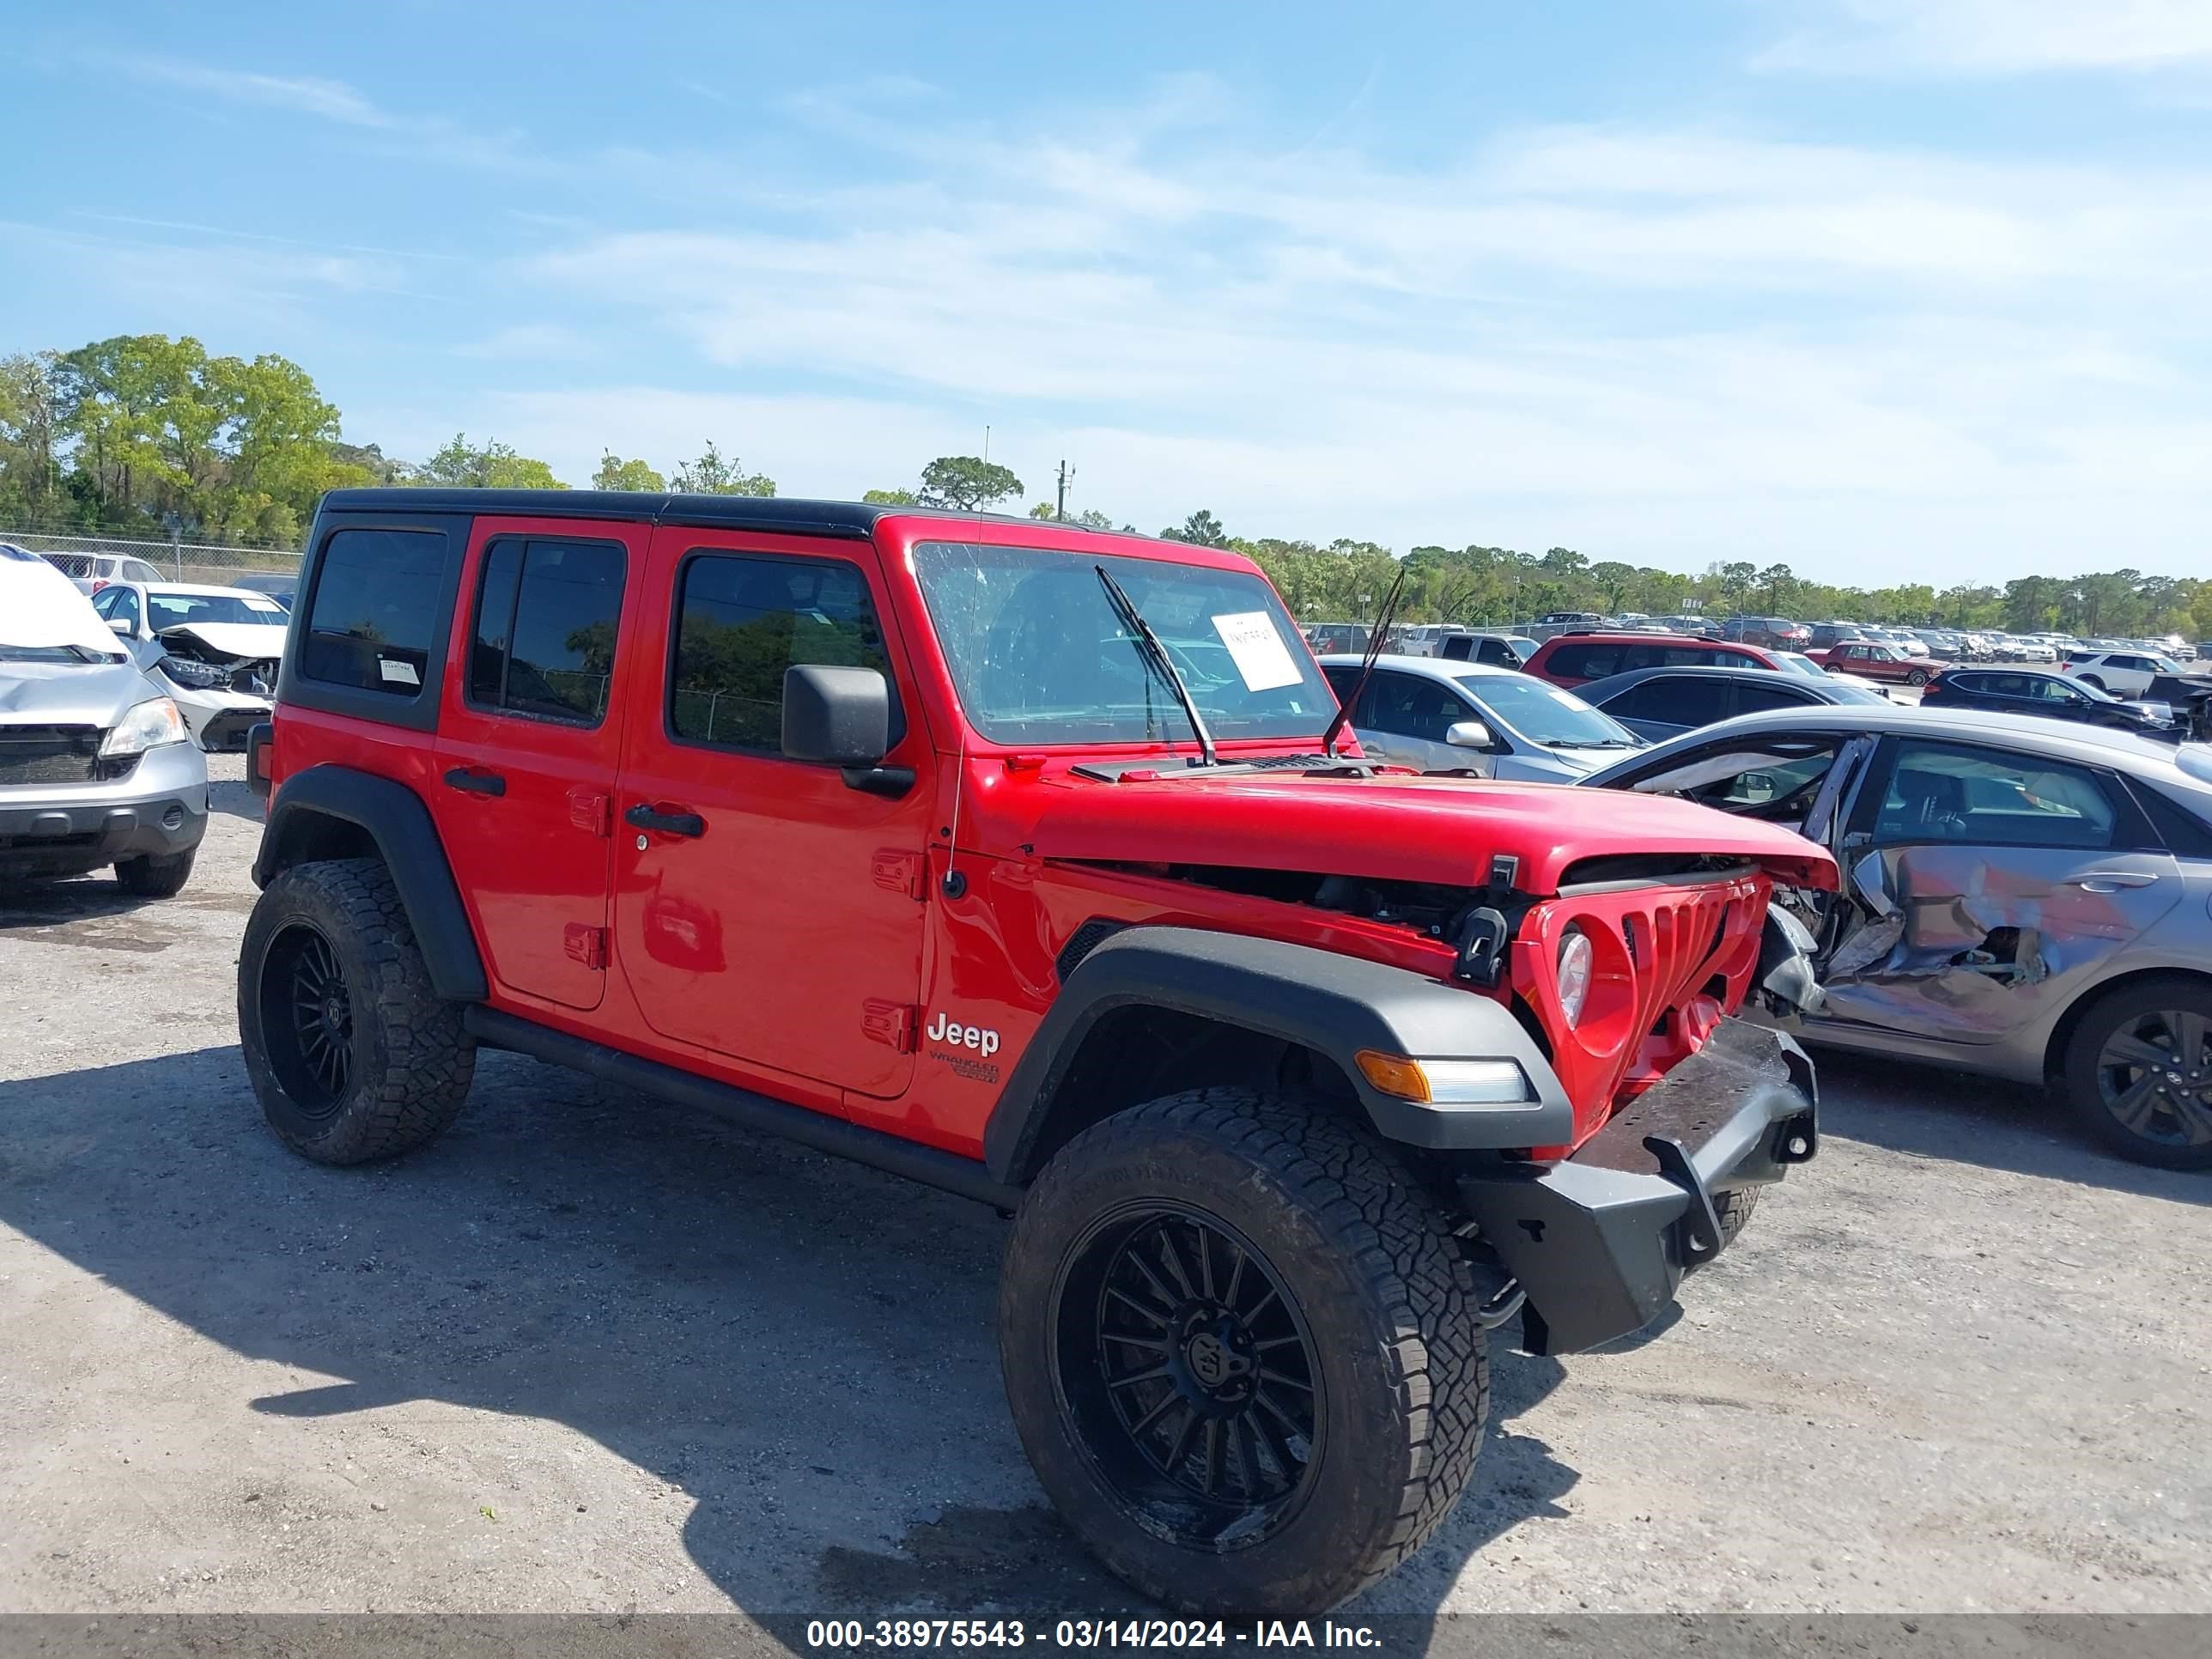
151, 876
2091, 679
2139, 1072
1308, 1268
351, 1054
1916, 676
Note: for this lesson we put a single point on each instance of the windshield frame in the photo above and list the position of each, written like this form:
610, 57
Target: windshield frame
927, 563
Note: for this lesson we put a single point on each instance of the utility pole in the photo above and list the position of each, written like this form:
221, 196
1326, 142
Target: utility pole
987, 442
1060, 505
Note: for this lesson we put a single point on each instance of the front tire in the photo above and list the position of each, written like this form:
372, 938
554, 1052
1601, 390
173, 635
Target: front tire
150, 876
1916, 676
351, 1054
2139, 1072
1239, 1347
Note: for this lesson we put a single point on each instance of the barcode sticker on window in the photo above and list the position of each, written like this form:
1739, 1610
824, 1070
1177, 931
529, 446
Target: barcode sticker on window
1257, 650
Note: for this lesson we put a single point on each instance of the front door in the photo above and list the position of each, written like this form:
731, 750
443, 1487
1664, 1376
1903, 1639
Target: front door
1985, 888
765, 908
1402, 718
528, 739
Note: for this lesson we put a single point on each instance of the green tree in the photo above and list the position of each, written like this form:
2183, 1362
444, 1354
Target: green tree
890, 498
716, 474
966, 483
1044, 510
30, 434
1614, 581
615, 473
1201, 529
490, 465
1093, 519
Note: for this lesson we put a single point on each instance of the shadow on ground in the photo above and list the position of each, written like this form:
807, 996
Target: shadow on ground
1935, 1114
804, 1346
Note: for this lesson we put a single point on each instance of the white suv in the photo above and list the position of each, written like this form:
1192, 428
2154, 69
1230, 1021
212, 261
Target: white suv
2124, 673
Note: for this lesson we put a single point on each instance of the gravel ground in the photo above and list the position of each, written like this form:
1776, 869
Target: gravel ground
589, 1353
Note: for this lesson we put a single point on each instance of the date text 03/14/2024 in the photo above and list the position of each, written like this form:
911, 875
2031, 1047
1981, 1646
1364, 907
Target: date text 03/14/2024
833, 1633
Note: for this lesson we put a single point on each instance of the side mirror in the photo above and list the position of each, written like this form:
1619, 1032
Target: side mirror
1468, 734
835, 716
121, 625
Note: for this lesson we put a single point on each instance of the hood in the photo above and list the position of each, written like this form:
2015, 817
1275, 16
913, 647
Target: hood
1399, 827
40, 609
252, 641
70, 694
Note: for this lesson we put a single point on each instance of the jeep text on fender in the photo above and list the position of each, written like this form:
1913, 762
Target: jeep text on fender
1006, 855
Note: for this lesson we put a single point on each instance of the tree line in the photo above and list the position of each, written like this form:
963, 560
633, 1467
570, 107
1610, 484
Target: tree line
150, 436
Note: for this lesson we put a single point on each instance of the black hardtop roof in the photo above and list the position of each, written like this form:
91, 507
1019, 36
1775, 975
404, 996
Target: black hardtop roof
790, 514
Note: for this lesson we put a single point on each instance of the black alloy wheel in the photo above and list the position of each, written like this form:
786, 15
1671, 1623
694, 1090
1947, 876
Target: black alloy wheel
2154, 1078
307, 1018
1191, 1373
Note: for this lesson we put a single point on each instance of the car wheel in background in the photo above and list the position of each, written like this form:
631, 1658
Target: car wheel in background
151, 877
2138, 1071
1916, 676
2091, 679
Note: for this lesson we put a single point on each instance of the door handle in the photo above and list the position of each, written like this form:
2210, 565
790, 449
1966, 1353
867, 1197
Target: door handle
669, 823
2110, 881
477, 783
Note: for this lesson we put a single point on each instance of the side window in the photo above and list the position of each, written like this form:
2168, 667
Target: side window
544, 640
1942, 794
103, 603
137, 570
1586, 662
375, 611
1680, 700
126, 608
742, 619
2052, 690
1410, 707
1751, 699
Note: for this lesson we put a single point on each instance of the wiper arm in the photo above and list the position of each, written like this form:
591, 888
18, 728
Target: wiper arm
1125, 610
1375, 644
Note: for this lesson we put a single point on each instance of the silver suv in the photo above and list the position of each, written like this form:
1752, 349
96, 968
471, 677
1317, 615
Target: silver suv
96, 766
2021, 899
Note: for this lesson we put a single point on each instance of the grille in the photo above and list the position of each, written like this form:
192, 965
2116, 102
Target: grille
50, 754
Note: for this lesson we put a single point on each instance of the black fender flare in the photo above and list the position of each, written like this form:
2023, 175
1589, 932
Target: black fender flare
406, 837
1335, 1005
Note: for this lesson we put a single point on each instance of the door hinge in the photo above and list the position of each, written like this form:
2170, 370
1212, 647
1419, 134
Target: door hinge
891, 1024
586, 944
591, 811
900, 870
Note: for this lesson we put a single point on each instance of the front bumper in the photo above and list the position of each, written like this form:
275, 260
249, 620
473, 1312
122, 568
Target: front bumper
67, 830
1600, 1241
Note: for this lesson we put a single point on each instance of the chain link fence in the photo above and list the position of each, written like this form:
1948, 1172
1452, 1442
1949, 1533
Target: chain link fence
180, 561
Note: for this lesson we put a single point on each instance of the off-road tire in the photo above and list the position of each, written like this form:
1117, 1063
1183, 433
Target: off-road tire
1367, 1257
2079, 1080
1735, 1208
410, 1060
152, 876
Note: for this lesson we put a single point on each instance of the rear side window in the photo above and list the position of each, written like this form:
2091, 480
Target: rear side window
742, 619
1585, 662
375, 611
544, 642
1674, 700
1753, 699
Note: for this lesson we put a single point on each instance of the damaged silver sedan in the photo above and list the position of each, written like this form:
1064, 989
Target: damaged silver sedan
2020, 899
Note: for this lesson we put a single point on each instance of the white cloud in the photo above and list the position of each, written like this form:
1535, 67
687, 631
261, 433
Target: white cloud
1680, 344
1996, 37
329, 101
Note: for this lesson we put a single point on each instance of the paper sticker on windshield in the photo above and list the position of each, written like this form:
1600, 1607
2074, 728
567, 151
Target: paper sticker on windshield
264, 605
402, 672
1257, 650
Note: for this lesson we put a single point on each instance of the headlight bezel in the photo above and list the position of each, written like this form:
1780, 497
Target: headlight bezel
153, 724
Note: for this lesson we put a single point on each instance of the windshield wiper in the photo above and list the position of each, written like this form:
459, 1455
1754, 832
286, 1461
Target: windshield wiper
1125, 610
1375, 643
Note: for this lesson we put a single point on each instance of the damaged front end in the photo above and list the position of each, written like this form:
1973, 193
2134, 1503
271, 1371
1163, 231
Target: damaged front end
223, 693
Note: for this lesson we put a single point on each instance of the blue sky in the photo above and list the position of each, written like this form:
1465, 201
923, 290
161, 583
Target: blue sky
1890, 289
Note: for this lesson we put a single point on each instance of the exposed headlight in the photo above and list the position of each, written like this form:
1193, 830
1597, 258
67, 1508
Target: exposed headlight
201, 677
148, 726
1577, 955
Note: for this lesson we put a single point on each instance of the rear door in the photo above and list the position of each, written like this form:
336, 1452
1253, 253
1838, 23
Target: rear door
1986, 887
529, 738
765, 908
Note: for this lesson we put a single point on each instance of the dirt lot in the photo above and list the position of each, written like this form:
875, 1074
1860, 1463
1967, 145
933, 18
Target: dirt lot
590, 1352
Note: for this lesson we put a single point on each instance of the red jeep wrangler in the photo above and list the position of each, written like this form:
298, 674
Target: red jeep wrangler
1010, 856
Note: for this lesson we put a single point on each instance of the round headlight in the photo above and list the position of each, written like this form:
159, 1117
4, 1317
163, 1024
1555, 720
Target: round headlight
1576, 957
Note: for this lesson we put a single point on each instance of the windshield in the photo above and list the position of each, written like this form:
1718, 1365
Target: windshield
1847, 692
171, 610
1545, 715
1038, 657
